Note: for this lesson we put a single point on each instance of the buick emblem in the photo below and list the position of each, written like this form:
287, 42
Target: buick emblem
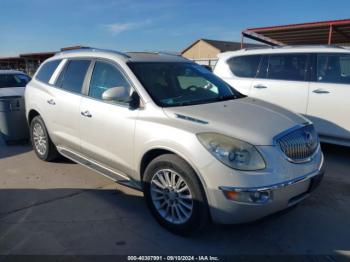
309, 139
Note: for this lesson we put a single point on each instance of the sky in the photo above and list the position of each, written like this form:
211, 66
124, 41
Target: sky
146, 25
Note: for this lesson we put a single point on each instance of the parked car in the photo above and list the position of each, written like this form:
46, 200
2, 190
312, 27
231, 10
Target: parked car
196, 147
12, 83
310, 80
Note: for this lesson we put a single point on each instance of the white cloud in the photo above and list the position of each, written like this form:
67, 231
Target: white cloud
117, 28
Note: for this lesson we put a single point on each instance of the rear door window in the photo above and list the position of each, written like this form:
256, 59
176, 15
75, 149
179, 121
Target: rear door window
244, 66
333, 68
73, 75
47, 70
290, 67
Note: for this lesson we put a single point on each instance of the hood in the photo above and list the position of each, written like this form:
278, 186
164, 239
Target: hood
248, 119
12, 91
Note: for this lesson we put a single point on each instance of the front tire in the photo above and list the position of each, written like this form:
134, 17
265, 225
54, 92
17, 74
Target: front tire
175, 195
42, 144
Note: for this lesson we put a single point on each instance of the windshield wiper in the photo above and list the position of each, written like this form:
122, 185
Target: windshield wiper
229, 97
203, 101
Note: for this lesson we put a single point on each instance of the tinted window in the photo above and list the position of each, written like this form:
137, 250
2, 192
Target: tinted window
72, 77
179, 84
262, 70
333, 68
287, 67
105, 76
13, 80
244, 66
47, 70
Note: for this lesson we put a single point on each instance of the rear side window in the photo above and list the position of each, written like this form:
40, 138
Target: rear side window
244, 66
333, 68
73, 75
47, 70
287, 67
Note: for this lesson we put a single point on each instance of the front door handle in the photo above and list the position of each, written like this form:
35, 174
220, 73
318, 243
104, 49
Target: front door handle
86, 114
51, 102
321, 91
260, 86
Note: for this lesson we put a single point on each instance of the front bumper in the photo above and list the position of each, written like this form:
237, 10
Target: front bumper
281, 196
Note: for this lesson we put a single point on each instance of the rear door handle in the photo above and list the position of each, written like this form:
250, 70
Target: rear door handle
86, 114
321, 91
51, 102
260, 86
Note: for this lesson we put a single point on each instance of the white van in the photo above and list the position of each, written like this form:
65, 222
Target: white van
311, 80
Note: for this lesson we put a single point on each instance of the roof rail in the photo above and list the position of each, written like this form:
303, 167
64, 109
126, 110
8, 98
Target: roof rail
153, 52
312, 46
296, 46
259, 47
91, 49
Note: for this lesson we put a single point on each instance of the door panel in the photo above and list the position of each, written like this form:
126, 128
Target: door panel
242, 85
288, 94
66, 100
329, 109
329, 103
282, 80
66, 115
107, 127
107, 133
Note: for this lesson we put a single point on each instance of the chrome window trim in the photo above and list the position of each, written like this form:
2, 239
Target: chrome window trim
57, 72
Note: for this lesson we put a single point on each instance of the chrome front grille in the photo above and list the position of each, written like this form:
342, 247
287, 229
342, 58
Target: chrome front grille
299, 145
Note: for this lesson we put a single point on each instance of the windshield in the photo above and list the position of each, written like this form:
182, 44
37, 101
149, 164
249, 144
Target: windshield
180, 84
13, 80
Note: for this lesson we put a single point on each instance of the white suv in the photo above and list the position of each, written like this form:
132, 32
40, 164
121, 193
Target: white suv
167, 126
310, 80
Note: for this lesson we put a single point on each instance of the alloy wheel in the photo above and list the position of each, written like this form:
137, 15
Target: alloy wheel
171, 196
39, 138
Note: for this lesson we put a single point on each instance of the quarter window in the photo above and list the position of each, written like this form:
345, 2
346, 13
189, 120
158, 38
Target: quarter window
47, 70
105, 76
287, 67
244, 66
333, 68
73, 75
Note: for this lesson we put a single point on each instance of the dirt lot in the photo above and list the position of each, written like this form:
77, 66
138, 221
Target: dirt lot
64, 208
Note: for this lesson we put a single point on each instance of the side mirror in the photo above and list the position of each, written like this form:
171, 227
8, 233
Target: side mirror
119, 93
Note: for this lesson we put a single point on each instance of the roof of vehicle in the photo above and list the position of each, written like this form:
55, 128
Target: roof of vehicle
7, 72
155, 57
288, 49
127, 57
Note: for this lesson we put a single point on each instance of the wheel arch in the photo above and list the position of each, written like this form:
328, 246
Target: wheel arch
158, 151
31, 114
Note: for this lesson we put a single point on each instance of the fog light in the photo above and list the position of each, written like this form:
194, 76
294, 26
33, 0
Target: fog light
256, 197
260, 196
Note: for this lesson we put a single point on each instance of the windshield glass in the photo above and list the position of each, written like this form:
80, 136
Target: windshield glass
180, 84
13, 80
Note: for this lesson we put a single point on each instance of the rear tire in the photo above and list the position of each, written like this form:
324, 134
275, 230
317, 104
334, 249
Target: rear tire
175, 195
42, 144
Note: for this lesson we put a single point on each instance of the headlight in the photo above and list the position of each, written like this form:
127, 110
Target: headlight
232, 152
